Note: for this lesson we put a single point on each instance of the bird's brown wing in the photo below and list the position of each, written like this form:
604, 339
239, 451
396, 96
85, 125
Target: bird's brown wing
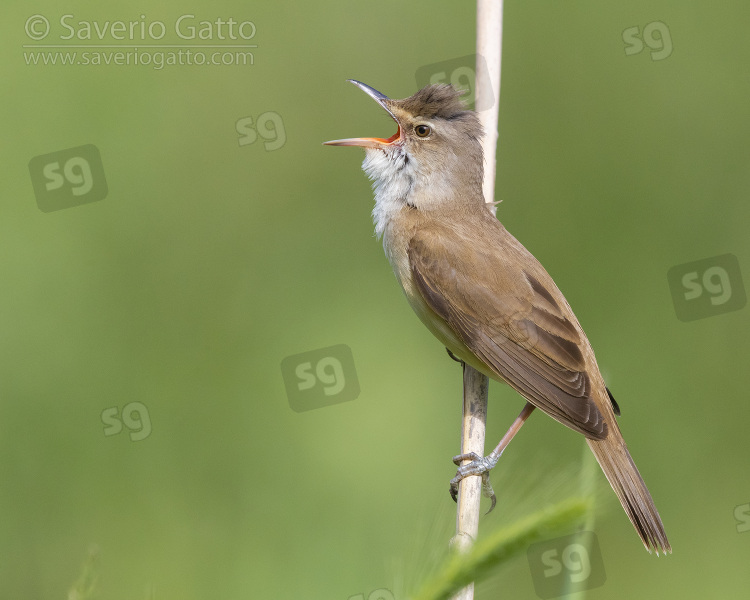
501, 303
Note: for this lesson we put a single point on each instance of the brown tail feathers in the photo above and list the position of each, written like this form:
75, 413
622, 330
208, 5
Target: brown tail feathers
626, 481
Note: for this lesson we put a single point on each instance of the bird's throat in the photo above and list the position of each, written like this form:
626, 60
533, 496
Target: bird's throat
393, 174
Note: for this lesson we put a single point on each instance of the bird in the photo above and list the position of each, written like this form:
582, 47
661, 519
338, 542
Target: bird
482, 294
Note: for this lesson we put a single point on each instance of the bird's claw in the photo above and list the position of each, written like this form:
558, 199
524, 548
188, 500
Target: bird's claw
478, 466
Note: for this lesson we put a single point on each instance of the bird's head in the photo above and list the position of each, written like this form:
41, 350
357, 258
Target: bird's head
435, 156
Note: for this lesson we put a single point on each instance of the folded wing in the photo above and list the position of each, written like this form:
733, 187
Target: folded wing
512, 323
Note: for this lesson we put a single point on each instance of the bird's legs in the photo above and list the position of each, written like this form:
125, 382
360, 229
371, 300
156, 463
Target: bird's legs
481, 465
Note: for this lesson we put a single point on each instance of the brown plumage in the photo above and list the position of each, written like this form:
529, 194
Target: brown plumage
480, 292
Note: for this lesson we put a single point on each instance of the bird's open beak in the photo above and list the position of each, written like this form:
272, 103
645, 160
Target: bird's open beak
370, 142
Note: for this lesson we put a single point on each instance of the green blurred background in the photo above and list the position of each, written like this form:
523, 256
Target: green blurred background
209, 262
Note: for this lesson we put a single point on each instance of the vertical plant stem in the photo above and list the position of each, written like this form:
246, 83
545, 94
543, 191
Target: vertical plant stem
473, 425
489, 52
476, 385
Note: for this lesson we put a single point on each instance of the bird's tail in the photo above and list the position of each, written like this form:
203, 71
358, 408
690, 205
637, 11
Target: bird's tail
614, 459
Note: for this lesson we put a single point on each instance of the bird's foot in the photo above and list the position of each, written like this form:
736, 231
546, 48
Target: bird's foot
479, 465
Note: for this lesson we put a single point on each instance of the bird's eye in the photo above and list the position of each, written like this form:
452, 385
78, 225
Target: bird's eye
422, 130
